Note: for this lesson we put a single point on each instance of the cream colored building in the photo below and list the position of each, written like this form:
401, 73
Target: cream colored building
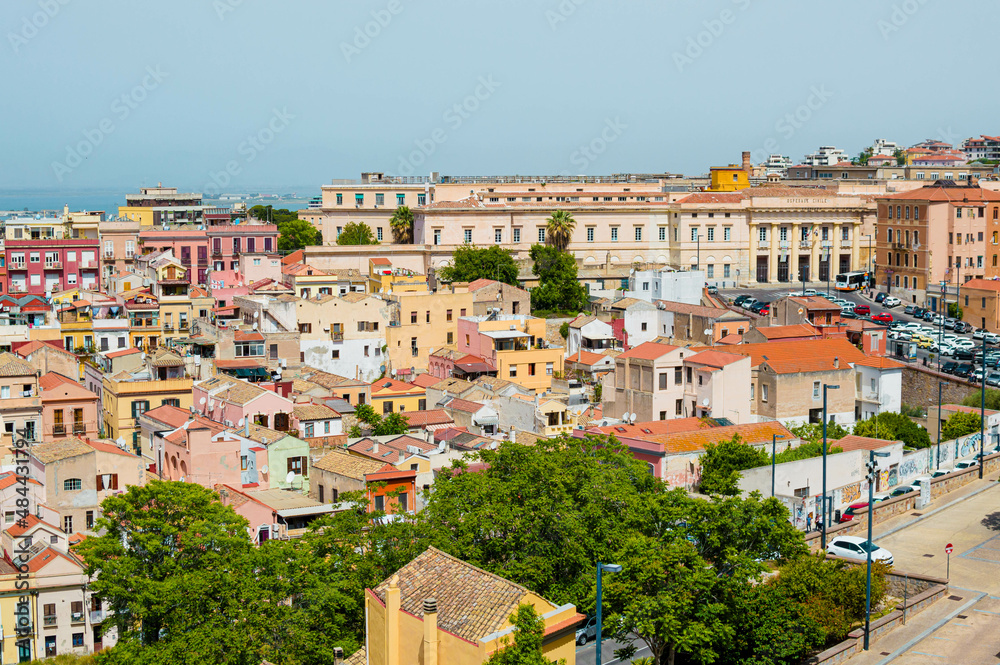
344, 335
423, 322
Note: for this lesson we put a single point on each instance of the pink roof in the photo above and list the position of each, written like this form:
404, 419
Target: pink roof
123, 352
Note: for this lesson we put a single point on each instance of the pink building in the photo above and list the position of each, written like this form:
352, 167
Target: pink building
37, 266
200, 451
224, 285
229, 241
255, 267
190, 247
229, 401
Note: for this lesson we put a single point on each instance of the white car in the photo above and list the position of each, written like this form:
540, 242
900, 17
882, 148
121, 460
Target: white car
891, 301
848, 305
810, 292
966, 464
978, 333
855, 548
965, 343
991, 338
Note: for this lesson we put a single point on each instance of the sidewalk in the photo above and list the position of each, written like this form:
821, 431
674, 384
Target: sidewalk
916, 629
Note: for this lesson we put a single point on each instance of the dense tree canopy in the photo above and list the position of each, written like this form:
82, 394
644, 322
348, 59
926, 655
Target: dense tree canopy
470, 263
356, 233
298, 233
526, 647
722, 462
271, 215
959, 424
992, 399
894, 427
559, 289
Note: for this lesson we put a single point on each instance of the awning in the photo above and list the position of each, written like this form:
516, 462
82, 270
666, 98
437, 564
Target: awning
486, 420
246, 372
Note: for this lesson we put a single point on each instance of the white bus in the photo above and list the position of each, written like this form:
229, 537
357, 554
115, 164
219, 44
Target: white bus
852, 281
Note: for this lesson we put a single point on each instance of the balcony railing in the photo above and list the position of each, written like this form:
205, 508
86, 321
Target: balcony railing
77, 617
49, 620
89, 264
337, 336
79, 428
53, 265
96, 616
58, 430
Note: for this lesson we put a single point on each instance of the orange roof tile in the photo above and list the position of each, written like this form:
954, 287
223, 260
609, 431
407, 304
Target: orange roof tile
648, 351
717, 359
586, 357
853, 442
654, 427
809, 355
982, 284
789, 331
696, 440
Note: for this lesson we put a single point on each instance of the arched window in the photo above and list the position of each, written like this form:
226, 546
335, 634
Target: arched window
72, 484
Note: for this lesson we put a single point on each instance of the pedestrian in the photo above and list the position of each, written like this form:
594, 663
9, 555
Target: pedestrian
819, 522
809, 522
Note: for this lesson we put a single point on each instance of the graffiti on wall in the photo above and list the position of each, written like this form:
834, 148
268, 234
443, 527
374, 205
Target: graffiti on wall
967, 447
912, 466
850, 493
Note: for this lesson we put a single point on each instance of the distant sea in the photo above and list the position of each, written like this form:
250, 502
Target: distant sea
109, 200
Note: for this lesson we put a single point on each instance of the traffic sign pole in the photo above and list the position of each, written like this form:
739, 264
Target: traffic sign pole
948, 548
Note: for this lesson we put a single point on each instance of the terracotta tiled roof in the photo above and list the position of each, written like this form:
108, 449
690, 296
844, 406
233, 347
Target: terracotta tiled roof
424, 380
790, 331
431, 417
879, 362
233, 391
56, 386
9, 478
166, 358
716, 359
648, 351
586, 358
394, 387
472, 603
654, 427
852, 442
477, 284
173, 416
27, 349
11, 365
965, 409
938, 194
248, 336
696, 310
981, 284
388, 451
345, 464
814, 303
258, 433
123, 352
16, 530
61, 449
462, 405
731, 338
792, 356
314, 412
696, 440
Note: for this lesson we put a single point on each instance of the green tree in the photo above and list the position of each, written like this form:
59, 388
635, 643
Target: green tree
559, 288
863, 156
394, 423
541, 515
564, 329
813, 432
959, 424
955, 310
900, 156
559, 229
298, 233
722, 462
992, 399
894, 427
356, 233
806, 450
598, 392
366, 414
769, 628
179, 574
401, 224
470, 263
529, 629
667, 596
272, 216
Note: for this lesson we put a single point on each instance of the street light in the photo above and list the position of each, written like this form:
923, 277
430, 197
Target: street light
940, 386
774, 447
825, 388
869, 236
982, 410
871, 498
602, 567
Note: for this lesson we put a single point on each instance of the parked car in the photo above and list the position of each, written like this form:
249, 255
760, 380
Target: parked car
966, 464
847, 304
949, 323
929, 316
978, 333
904, 489
909, 309
749, 303
741, 299
863, 310
848, 314
765, 310
853, 547
993, 379
891, 301
856, 508
587, 632
937, 320
884, 317
949, 367
962, 327
919, 312
810, 292
757, 306
880, 296
991, 338
938, 473
963, 370
712, 289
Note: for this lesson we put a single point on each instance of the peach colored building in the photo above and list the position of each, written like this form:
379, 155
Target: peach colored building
67, 408
514, 345
943, 232
229, 401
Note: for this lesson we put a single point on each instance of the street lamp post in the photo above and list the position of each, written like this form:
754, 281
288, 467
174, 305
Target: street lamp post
823, 538
982, 410
940, 386
869, 236
610, 568
871, 498
774, 447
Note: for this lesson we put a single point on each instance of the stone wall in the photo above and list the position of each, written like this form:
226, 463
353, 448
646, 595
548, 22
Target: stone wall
920, 386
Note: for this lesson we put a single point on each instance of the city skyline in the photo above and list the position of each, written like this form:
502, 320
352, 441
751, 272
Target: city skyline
567, 87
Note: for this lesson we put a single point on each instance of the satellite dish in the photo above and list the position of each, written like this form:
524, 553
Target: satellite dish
263, 469
708, 331
290, 477
625, 417
240, 423
255, 325
704, 402
202, 401
183, 479
256, 315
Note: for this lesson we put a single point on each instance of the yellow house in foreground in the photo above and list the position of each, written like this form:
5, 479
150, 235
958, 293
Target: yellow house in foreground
128, 395
390, 395
438, 610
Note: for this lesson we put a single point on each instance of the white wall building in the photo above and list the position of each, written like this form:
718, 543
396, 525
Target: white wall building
878, 386
827, 155
667, 284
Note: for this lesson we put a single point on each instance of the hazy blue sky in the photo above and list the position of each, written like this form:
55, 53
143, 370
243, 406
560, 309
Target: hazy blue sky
119, 93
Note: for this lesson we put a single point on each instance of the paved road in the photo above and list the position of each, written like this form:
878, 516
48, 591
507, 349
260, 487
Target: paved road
586, 655
965, 628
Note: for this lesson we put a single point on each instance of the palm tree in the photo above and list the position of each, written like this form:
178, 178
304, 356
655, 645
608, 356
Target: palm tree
401, 224
559, 229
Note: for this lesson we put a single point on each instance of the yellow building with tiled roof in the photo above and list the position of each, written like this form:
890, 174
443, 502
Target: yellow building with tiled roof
438, 603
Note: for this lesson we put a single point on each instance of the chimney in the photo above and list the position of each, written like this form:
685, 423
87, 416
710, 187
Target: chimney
392, 622
402, 456
246, 427
430, 632
836, 363
375, 447
746, 161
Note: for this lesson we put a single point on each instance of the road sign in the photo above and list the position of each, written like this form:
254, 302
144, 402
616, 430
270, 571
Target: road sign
948, 548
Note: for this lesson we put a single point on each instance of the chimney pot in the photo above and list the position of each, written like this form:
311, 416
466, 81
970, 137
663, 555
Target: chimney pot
430, 605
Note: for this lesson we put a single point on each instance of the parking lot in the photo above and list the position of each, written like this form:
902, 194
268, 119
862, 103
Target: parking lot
923, 355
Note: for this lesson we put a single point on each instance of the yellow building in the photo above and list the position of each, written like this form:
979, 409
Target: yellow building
143, 312
77, 327
514, 344
127, 395
424, 321
383, 278
439, 610
728, 178
9, 597
392, 396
